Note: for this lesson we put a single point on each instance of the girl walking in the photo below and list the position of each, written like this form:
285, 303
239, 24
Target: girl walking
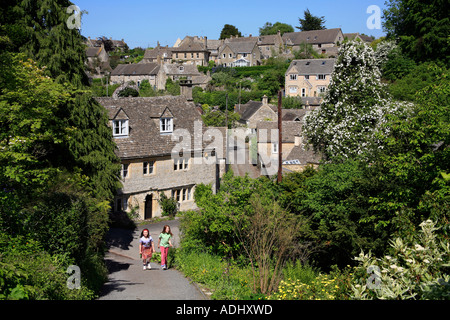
164, 242
146, 248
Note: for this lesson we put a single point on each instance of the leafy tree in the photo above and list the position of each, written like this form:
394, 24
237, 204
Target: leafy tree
422, 28
43, 35
228, 31
269, 28
310, 22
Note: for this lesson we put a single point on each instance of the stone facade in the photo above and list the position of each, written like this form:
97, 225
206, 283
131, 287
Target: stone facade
308, 77
145, 132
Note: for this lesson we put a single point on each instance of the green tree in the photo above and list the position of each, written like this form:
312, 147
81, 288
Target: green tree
228, 31
310, 22
39, 30
269, 28
422, 28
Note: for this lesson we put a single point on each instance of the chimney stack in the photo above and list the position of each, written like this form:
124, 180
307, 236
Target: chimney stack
265, 100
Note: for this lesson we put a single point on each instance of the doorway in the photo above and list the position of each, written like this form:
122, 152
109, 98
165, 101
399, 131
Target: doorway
148, 214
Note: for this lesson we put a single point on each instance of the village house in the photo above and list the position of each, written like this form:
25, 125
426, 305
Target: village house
97, 61
308, 77
160, 55
144, 131
239, 52
137, 72
119, 45
358, 36
189, 72
324, 42
295, 155
270, 45
191, 50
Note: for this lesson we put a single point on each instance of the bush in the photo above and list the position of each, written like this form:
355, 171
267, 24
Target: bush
30, 273
168, 205
413, 271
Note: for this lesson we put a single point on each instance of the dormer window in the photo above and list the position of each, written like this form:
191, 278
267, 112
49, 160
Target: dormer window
166, 125
120, 128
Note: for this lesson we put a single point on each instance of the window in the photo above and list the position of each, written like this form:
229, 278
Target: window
180, 164
183, 194
321, 77
293, 76
124, 170
224, 56
307, 77
303, 92
120, 128
293, 89
321, 89
148, 167
166, 125
274, 147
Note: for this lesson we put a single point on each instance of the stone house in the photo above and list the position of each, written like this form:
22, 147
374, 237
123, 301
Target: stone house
240, 52
97, 61
120, 45
191, 50
255, 111
270, 45
323, 41
148, 144
295, 155
189, 72
358, 36
138, 72
308, 77
159, 55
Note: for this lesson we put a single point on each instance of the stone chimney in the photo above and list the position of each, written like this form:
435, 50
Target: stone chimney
186, 89
265, 100
298, 140
205, 42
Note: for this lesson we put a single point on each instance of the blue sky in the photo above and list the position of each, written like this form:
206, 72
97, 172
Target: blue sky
144, 22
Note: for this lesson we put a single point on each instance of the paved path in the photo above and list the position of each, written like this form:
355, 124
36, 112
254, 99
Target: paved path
127, 280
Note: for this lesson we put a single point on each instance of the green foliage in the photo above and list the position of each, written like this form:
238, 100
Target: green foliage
226, 280
310, 22
228, 31
168, 205
270, 28
128, 92
417, 270
30, 273
421, 27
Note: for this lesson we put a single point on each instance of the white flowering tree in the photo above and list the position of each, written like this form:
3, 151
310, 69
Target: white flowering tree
349, 123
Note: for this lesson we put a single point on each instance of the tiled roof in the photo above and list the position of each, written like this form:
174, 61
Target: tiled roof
136, 69
312, 66
144, 138
311, 37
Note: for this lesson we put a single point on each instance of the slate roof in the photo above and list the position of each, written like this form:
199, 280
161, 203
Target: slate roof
290, 129
240, 46
311, 37
158, 51
144, 139
312, 66
304, 155
136, 69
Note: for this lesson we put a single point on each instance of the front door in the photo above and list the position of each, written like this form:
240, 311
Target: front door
148, 207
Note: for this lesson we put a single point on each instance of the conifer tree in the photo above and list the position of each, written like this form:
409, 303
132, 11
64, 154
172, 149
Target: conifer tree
39, 29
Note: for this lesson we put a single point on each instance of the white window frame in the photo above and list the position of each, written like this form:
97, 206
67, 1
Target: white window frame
293, 77
166, 125
124, 170
321, 77
303, 92
120, 128
148, 168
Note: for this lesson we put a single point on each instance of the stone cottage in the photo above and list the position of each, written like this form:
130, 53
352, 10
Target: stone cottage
163, 147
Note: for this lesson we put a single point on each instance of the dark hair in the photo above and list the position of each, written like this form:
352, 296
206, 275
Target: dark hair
142, 233
164, 230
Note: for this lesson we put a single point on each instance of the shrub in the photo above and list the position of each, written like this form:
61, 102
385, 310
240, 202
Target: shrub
415, 271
